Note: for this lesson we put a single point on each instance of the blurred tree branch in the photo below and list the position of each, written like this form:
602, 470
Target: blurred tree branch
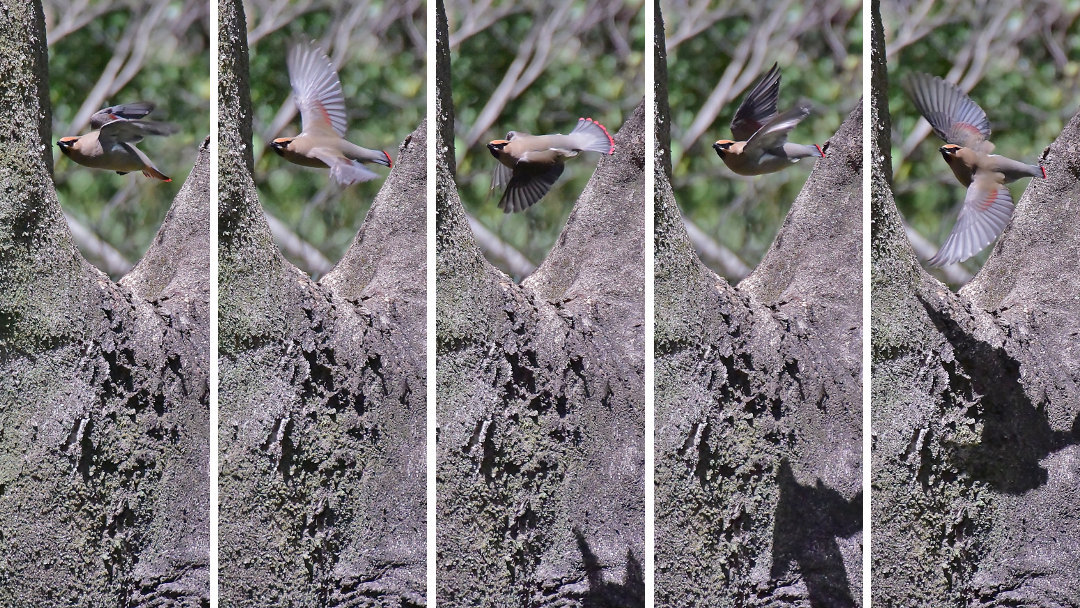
716, 255
925, 249
500, 251
297, 248
995, 30
111, 261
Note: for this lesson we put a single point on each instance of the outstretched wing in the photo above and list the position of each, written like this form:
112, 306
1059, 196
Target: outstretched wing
129, 111
774, 132
529, 183
131, 131
758, 106
953, 115
987, 209
316, 90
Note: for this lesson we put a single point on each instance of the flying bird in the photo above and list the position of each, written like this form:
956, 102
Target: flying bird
963, 125
761, 144
111, 145
530, 164
321, 143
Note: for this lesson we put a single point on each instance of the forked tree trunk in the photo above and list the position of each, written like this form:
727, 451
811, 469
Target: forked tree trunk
976, 399
104, 387
322, 387
758, 399
541, 397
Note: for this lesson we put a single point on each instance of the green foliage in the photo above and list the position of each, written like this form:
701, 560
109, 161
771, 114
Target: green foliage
1027, 96
125, 211
744, 214
383, 78
586, 78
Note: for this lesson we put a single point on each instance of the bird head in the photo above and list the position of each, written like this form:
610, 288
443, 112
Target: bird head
948, 151
496, 146
722, 147
66, 143
281, 144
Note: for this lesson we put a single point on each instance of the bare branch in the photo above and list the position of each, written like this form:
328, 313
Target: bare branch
495, 248
714, 254
111, 261
297, 248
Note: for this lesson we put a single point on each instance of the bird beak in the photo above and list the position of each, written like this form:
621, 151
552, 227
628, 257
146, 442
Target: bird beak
720, 149
279, 146
496, 146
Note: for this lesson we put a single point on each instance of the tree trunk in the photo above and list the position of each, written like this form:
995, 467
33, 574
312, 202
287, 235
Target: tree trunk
541, 400
322, 387
104, 387
976, 400
758, 392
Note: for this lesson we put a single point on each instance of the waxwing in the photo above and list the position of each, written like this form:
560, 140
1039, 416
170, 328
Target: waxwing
761, 144
318, 96
530, 164
111, 145
963, 125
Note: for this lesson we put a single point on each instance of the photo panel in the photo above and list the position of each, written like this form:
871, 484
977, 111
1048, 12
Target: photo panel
758, 304
105, 304
540, 394
322, 383
975, 255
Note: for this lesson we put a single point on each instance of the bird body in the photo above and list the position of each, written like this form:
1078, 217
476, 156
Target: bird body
963, 125
760, 145
318, 95
530, 164
111, 145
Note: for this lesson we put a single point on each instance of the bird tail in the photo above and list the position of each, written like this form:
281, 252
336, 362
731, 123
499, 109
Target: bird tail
802, 150
151, 171
592, 136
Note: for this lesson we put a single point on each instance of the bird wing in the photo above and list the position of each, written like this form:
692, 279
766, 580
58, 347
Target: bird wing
316, 90
130, 111
501, 176
774, 132
131, 131
344, 171
758, 106
987, 209
528, 184
953, 115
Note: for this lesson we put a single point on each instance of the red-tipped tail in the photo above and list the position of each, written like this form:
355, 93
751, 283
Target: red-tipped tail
820, 151
389, 163
603, 142
149, 171
1043, 169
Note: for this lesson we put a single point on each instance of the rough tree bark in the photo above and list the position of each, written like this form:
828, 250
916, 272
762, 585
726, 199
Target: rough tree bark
322, 387
541, 398
758, 399
104, 387
976, 399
